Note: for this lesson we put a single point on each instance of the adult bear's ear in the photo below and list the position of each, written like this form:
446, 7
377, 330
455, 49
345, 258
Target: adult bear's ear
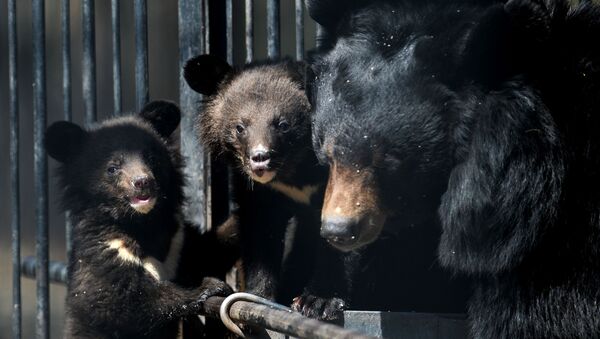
164, 116
204, 73
64, 140
507, 39
328, 13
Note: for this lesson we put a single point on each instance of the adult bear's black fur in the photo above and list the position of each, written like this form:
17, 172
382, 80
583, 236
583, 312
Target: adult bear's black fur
136, 269
258, 119
486, 111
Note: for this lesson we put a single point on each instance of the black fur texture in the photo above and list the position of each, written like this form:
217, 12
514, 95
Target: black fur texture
485, 111
122, 183
264, 106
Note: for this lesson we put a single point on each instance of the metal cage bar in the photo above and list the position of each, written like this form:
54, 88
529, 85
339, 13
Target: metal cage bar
15, 207
190, 31
65, 28
249, 16
299, 30
40, 168
273, 42
141, 54
89, 60
229, 30
116, 56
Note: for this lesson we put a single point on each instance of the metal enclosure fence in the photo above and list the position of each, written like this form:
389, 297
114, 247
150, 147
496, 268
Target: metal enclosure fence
203, 26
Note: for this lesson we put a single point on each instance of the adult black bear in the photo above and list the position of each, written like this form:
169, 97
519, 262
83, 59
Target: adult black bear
485, 111
122, 183
258, 119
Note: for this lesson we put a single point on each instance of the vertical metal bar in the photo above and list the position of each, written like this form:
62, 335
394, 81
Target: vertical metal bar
189, 46
201, 9
65, 27
40, 168
249, 30
229, 30
319, 35
299, 30
89, 60
273, 45
116, 56
206, 27
141, 53
15, 207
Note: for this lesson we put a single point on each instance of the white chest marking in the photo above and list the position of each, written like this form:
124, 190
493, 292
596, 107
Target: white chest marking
160, 271
299, 195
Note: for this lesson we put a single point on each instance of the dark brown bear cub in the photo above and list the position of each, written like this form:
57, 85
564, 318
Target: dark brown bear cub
122, 183
258, 119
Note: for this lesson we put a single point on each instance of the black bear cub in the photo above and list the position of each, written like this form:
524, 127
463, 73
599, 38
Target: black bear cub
258, 119
122, 182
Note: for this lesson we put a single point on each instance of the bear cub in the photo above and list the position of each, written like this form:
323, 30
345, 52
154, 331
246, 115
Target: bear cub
122, 183
258, 119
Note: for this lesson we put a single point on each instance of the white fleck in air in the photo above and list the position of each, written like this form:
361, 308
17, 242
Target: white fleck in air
352, 237
391, 37
357, 171
348, 81
365, 136
358, 204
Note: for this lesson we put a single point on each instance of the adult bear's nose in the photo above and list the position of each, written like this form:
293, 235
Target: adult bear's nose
340, 231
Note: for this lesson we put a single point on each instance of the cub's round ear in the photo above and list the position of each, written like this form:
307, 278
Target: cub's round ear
164, 116
64, 140
299, 71
204, 73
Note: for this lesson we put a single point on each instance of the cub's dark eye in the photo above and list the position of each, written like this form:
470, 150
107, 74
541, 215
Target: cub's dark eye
283, 126
112, 169
240, 128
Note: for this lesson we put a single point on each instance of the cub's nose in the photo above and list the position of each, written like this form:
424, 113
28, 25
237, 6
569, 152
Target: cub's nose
141, 182
260, 156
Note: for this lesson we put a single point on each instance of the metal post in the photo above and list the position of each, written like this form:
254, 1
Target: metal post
65, 27
229, 30
89, 61
319, 35
40, 167
116, 56
249, 30
273, 45
299, 30
190, 23
206, 27
15, 207
141, 54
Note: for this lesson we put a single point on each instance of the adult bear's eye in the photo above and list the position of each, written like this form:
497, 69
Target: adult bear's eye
283, 126
240, 128
112, 169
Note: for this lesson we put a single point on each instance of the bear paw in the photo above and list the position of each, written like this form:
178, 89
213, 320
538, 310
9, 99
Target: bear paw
319, 308
212, 287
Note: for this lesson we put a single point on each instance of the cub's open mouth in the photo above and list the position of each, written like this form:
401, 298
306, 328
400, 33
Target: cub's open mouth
142, 203
262, 175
